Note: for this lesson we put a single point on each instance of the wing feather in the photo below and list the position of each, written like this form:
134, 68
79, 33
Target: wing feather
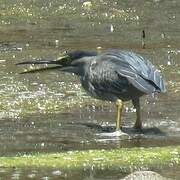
139, 71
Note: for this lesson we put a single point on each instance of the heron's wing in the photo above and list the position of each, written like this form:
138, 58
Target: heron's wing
146, 70
137, 81
139, 71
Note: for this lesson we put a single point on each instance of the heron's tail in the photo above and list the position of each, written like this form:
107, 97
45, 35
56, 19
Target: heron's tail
162, 85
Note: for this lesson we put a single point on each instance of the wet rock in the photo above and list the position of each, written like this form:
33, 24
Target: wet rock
145, 175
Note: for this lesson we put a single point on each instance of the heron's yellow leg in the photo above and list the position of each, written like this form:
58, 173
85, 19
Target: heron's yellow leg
119, 105
138, 123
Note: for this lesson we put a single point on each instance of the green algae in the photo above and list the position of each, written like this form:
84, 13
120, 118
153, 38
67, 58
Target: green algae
124, 159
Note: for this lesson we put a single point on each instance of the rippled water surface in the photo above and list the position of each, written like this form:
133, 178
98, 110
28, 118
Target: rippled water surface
50, 112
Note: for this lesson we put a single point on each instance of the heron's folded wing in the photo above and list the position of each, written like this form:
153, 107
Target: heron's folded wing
137, 81
139, 71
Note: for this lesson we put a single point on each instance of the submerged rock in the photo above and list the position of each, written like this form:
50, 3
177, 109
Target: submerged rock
145, 175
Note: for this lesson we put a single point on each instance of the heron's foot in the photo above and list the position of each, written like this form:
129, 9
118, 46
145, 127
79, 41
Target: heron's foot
138, 126
138, 123
119, 105
118, 133
118, 127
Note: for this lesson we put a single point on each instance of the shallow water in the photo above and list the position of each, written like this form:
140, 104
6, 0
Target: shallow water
50, 112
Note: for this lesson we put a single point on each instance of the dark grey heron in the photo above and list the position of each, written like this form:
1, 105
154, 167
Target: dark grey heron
112, 75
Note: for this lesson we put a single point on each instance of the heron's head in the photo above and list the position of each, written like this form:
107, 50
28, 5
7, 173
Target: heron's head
75, 61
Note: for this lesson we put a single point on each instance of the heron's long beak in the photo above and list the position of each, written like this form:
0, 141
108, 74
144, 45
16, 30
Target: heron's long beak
60, 62
40, 69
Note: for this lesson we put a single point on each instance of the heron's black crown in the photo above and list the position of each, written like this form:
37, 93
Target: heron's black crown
80, 54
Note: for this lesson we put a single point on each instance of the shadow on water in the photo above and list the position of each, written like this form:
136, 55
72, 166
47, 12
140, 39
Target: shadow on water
128, 130
49, 112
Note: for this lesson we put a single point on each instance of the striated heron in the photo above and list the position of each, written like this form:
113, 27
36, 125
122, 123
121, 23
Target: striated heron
112, 75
